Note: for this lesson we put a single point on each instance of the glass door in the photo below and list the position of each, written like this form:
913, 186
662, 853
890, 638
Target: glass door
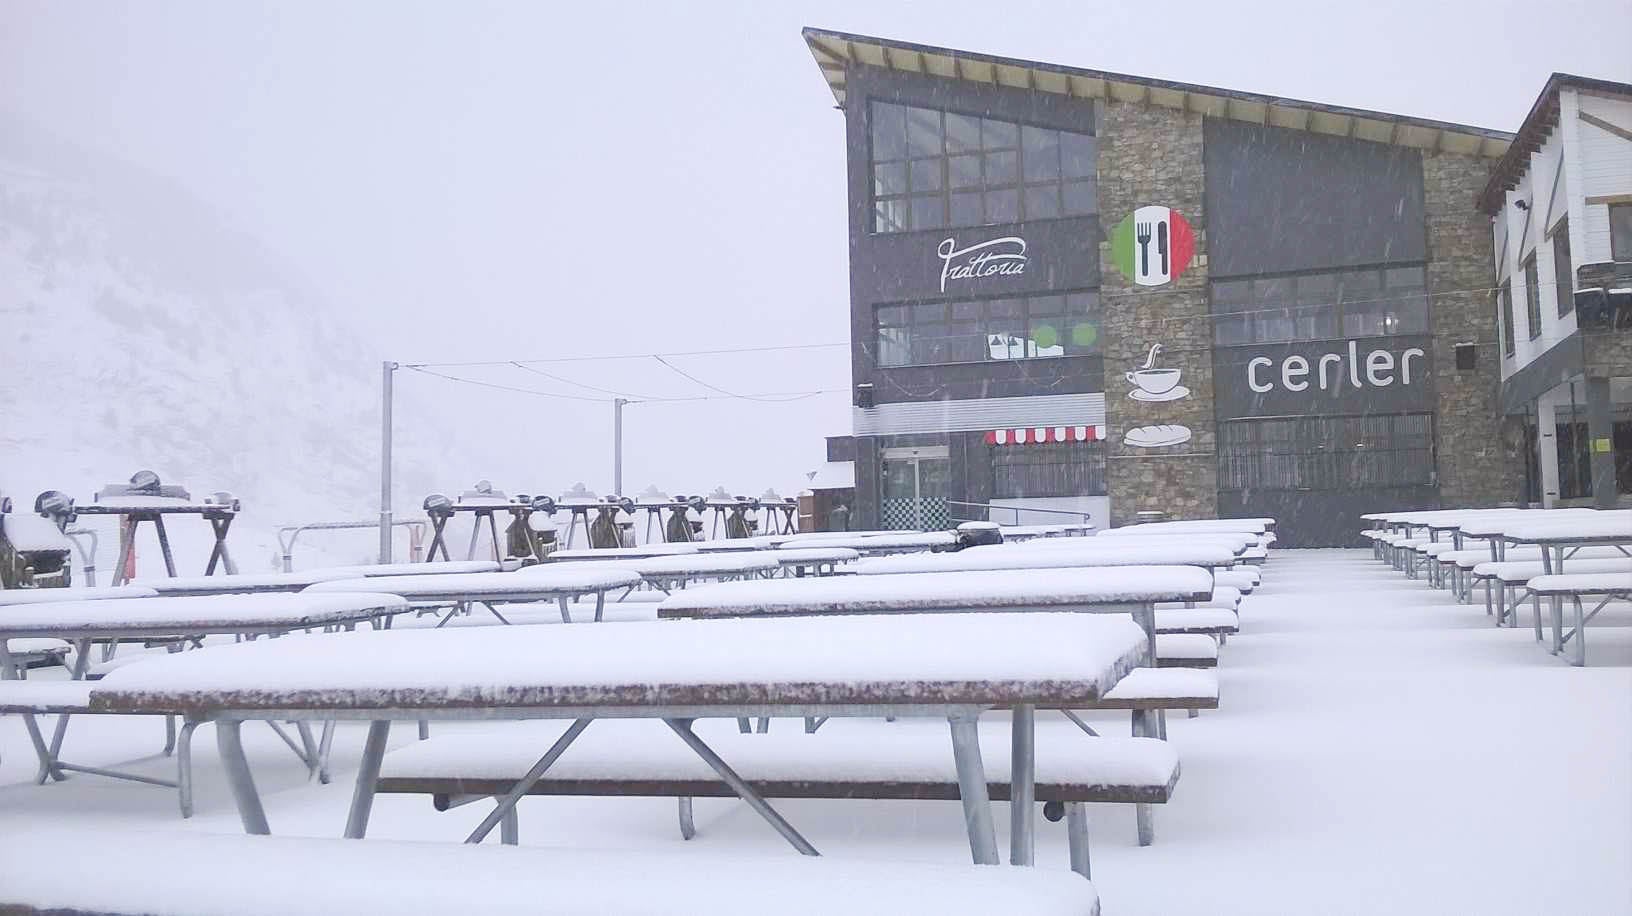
914, 488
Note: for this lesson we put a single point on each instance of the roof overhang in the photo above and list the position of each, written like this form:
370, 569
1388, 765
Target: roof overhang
836, 52
1533, 133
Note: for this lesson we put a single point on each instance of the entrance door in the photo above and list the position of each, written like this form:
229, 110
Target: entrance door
915, 488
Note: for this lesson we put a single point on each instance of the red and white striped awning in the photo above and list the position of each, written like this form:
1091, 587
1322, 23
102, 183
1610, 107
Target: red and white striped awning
1039, 434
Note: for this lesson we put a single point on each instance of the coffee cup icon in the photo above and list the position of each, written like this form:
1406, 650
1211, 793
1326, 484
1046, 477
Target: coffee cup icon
1154, 381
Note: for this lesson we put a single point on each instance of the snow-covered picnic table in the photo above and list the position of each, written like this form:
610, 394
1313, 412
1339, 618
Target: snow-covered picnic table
876, 544
243, 583
432, 568
1608, 586
954, 666
1196, 526
167, 617
16, 596
1557, 537
667, 573
1237, 541
558, 582
622, 553
1078, 552
815, 560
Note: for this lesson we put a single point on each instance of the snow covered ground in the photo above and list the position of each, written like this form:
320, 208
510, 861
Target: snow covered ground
1379, 748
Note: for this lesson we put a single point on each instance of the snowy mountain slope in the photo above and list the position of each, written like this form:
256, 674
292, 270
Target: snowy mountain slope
137, 331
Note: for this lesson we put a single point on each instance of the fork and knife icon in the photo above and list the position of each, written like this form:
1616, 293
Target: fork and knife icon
1142, 235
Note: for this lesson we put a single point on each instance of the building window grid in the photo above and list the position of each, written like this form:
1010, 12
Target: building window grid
1326, 453
1359, 302
981, 330
1053, 469
1504, 305
933, 169
1563, 269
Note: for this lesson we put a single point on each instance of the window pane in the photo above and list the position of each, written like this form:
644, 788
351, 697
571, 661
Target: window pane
894, 346
966, 342
1003, 206
1504, 302
890, 178
964, 171
926, 174
1080, 330
1409, 301
892, 315
1532, 297
1041, 151
1006, 308
966, 209
1043, 202
890, 215
1620, 232
962, 133
928, 212
1045, 305
1317, 306
967, 311
889, 131
999, 134
1563, 269
1273, 320
1363, 306
1001, 168
927, 314
1077, 155
923, 132
1005, 338
1080, 198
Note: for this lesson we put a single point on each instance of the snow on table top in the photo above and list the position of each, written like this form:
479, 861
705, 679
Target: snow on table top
801, 556
1081, 552
805, 537
1189, 526
731, 545
1520, 570
193, 614
1235, 541
138, 503
44, 696
46, 868
696, 564
241, 584
15, 596
950, 591
869, 660
1495, 525
1590, 582
417, 569
912, 540
841, 751
623, 553
531, 583
978, 526
1604, 525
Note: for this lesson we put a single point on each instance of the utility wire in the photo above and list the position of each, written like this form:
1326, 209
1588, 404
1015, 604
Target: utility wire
772, 396
621, 394
730, 394
579, 359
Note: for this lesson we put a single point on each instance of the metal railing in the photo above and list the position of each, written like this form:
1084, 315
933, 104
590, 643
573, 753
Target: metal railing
1085, 517
287, 543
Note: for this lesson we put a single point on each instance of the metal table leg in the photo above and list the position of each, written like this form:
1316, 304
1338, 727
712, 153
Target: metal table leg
1076, 834
682, 727
1023, 786
368, 773
977, 805
507, 805
230, 743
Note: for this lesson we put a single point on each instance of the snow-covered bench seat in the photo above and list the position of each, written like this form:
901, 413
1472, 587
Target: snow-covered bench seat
844, 760
47, 871
1242, 578
1211, 621
1512, 575
1224, 596
1574, 586
37, 651
1186, 650
1163, 688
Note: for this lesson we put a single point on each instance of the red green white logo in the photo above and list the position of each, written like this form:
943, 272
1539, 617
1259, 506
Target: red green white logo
1152, 246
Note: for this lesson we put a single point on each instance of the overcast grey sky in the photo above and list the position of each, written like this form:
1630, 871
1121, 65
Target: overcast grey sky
469, 181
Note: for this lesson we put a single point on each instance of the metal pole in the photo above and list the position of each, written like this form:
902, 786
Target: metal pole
617, 445
386, 368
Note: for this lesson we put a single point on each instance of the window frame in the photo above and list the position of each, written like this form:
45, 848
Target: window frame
1304, 322
1029, 316
1504, 316
1018, 185
1080, 469
1532, 295
1620, 245
1291, 454
1563, 267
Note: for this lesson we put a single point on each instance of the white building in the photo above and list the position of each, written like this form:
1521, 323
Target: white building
1560, 203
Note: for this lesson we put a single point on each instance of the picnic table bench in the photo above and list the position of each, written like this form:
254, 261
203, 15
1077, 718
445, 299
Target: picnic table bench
1075, 553
669, 573
1512, 575
875, 761
45, 871
560, 583
1609, 586
622, 553
953, 666
12, 597
243, 583
819, 561
162, 618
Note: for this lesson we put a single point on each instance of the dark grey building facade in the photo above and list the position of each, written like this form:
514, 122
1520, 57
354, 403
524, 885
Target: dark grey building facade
1075, 291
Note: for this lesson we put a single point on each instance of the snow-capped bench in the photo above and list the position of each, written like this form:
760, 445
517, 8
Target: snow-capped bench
1574, 586
900, 761
1512, 575
46, 871
1209, 621
1242, 578
1186, 650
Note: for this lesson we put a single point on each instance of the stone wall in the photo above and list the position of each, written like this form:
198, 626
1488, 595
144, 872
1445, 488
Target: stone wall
1153, 156
1476, 464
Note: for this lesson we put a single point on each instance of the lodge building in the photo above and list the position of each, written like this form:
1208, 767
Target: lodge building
1075, 289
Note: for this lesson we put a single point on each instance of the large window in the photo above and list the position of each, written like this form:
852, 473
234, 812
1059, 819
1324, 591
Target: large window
1532, 296
1326, 453
1370, 302
1563, 270
937, 169
1048, 469
1504, 304
1620, 231
935, 333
